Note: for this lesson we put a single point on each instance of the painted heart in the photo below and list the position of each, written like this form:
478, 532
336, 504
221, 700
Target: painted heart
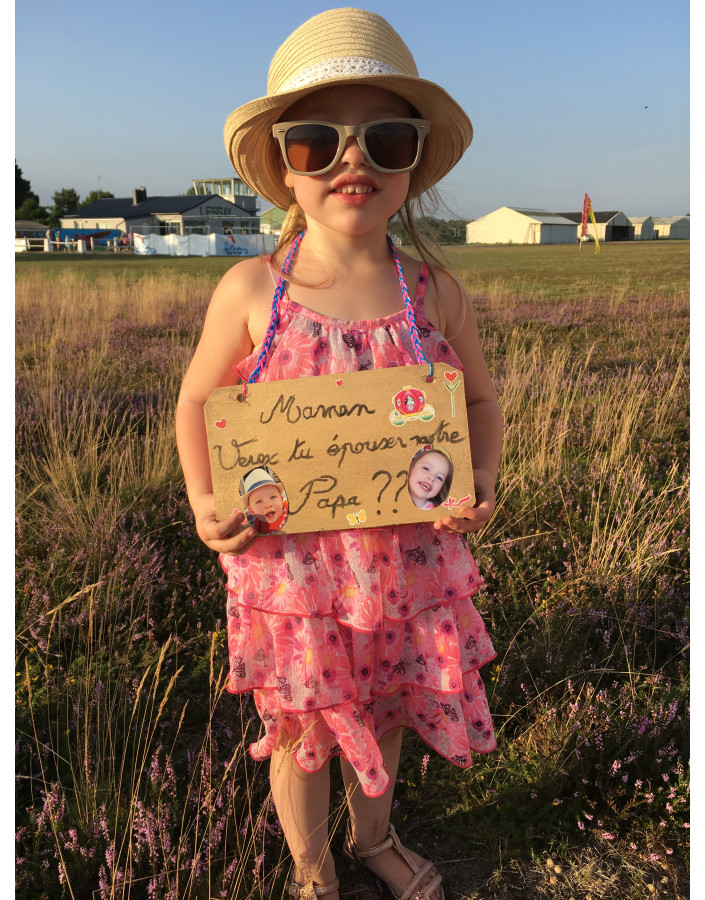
450, 376
339, 381
220, 424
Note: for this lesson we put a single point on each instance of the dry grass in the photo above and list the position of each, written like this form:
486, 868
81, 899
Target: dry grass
133, 771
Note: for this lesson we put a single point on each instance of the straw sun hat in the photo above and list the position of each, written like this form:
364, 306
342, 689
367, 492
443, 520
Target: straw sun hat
337, 47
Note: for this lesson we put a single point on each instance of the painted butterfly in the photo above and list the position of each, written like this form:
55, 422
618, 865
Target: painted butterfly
357, 518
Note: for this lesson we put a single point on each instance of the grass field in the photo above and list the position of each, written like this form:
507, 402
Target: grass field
133, 778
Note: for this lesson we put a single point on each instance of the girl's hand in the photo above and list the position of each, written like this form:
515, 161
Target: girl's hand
224, 536
473, 518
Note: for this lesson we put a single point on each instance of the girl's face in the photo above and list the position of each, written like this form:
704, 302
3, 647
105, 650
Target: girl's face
427, 476
266, 503
353, 197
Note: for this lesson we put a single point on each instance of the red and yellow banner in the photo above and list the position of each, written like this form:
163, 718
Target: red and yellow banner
587, 212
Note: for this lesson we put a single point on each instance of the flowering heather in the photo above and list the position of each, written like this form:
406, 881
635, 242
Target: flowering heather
132, 773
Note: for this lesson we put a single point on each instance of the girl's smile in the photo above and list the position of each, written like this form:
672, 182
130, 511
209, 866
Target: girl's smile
355, 190
427, 476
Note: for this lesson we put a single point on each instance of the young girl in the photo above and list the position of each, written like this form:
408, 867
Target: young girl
347, 636
430, 477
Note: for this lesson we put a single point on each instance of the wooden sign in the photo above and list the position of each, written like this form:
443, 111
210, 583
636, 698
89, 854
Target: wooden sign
355, 450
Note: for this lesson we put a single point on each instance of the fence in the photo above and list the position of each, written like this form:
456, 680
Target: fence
204, 244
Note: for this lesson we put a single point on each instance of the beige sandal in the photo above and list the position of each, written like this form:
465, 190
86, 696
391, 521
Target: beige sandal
310, 891
412, 891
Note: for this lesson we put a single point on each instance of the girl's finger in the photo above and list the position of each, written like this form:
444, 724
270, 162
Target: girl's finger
471, 518
213, 530
230, 526
235, 546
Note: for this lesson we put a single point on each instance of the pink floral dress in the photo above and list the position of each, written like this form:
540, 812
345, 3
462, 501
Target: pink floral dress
343, 635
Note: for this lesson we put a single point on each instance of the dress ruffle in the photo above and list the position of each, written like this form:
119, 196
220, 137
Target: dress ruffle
344, 635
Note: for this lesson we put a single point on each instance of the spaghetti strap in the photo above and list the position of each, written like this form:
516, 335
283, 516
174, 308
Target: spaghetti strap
421, 286
270, 265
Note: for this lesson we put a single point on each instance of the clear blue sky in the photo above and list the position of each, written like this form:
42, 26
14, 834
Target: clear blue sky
564, 97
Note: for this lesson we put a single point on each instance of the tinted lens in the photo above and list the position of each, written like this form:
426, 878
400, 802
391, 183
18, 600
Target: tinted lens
310, 148
392, 145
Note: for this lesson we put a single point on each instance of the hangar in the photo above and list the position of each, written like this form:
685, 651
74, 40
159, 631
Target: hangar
673, 227
643, 228
611, 225
513, 225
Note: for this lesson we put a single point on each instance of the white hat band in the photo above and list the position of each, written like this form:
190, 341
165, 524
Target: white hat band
342, 66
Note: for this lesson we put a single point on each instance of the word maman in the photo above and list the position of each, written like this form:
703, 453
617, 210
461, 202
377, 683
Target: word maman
294, 412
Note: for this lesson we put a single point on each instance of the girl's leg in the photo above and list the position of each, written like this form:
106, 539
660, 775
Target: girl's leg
369, 820
302, 801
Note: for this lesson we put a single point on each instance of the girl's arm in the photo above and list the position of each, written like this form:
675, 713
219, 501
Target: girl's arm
485, 421
225, 341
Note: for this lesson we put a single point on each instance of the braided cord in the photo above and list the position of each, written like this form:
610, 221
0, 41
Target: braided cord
410, 315
274, 317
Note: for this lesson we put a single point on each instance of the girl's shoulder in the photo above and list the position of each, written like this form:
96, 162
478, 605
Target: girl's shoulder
243, 298
446, 301
247, 276
245, 287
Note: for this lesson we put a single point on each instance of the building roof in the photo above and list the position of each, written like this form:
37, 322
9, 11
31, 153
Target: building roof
669, 220
639, 220
272, 214
600, 217
28, 225
542, 215
124, 208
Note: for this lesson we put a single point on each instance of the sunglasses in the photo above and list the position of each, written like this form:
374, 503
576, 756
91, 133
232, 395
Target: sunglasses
388, 145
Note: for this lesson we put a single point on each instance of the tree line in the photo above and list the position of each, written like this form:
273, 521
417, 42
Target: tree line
65, 201
445, 231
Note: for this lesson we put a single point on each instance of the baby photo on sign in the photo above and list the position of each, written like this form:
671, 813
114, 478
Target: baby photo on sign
264, 500
430, 477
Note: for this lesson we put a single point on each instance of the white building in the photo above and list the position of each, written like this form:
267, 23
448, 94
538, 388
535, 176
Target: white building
612, 225
673, 227
512, 225
181, 215
643, 228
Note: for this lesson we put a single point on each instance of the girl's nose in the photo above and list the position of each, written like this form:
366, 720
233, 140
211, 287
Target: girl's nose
352, 153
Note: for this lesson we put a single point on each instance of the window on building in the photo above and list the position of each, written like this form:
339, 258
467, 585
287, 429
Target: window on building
195, 226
